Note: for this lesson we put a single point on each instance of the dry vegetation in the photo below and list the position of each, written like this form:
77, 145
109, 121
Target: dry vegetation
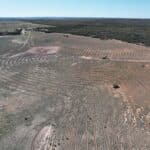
61, 92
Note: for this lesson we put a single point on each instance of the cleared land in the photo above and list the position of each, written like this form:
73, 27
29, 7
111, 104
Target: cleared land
68, 92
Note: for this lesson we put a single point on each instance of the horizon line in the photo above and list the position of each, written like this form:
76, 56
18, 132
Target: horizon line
67, 17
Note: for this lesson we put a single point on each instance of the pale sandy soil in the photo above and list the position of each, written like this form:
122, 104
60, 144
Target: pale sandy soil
75, 93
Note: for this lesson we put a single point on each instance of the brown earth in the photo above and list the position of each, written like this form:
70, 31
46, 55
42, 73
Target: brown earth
75, 93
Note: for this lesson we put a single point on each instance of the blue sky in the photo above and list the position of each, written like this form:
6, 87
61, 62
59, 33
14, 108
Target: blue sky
75, 8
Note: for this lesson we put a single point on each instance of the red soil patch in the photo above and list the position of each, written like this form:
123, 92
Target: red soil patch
44, 50
39, 51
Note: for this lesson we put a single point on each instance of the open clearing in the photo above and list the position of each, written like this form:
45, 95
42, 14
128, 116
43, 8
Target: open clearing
72, 92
